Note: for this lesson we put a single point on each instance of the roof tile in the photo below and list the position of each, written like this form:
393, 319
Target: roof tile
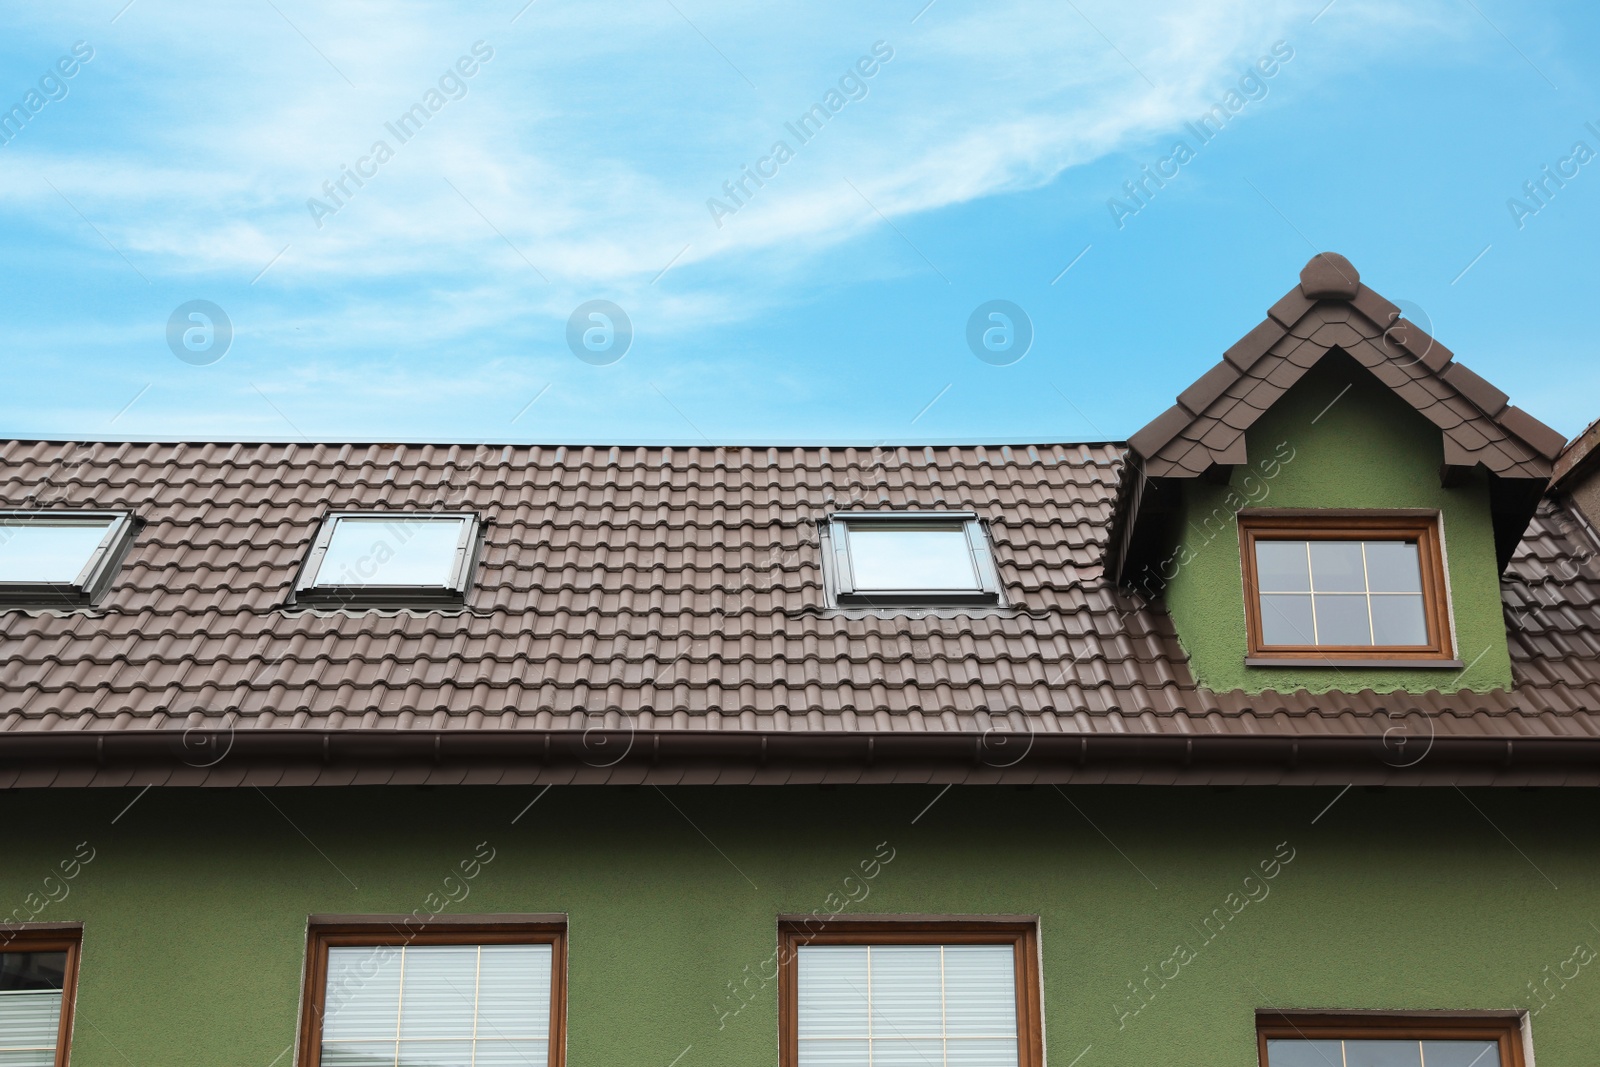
1244, 352
1545, 441
1297, 334
1374, 307
1155, 435
1209, 387
657, 602
1489, 399
1290, 309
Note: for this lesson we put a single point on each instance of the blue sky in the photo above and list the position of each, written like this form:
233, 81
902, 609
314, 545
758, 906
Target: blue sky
576, 163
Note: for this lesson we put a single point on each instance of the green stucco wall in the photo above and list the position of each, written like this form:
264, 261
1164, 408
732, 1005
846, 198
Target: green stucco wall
195, 904
1368, 449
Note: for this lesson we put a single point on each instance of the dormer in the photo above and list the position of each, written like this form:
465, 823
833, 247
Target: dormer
1330, 507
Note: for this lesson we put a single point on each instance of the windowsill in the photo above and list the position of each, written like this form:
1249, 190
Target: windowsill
1374, 661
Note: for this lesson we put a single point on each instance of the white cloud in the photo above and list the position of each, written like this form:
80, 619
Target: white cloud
974, 103
587, 147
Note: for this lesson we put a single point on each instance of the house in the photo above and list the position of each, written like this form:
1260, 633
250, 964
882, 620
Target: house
1265, 733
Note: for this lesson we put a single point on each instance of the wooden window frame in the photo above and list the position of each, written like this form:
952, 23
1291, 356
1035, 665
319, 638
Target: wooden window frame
68, 939
1424, 528
397, 932
1504, 1027
1021, 934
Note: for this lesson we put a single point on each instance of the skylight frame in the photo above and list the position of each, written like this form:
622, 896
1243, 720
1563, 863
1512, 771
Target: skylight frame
843, 590
310, 591
93, 579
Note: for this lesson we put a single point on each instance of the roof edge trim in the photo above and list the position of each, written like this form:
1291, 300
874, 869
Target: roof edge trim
371, 757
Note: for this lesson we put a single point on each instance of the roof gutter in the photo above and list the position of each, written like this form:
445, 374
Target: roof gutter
220, 757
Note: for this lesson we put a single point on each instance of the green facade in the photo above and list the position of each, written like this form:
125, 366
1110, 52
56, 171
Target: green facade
194, 904
1338, 439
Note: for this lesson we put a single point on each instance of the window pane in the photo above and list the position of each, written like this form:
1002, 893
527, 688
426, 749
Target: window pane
907, 556
1394, 567
512, 1053
435, 1053
363, 997
1461, 1053
30, 1007
1342, 620
851, 1053
438, 992
1398, 619
29, 971
951, 1006
970, 1052
1336, 567
58, 553
1297, 1053
894, 1052
1282, 567
833, 991
1359, 1052
980, 990
514, 992
447, 1004
1383, 1054
906, 998
390, 552
1342, 610
359, 1054
1286, 620
29, 1020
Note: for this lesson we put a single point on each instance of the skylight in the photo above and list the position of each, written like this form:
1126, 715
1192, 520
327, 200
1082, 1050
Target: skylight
59, 557
910, 557
390, 556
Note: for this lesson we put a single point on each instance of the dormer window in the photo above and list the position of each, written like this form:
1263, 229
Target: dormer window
390, 558
60, 558
909, 557
1359, 587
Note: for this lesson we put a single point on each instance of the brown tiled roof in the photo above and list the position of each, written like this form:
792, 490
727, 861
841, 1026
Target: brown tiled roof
668, 602
684, 585
1331, 309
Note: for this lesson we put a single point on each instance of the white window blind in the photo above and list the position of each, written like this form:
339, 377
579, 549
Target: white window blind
907, 1006
438, 1006
1381, 1053
29, 1019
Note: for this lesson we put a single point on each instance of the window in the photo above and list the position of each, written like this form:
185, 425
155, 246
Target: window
492, 996
1436, 1039
909, 557
390, 557
38, 974
60, 557
952, 993
1344, 589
